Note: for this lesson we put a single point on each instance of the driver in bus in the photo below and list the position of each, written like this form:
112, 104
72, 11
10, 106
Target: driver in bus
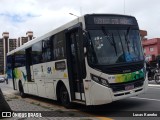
98, 43
100, 49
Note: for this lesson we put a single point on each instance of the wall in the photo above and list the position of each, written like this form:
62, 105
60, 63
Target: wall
151, 43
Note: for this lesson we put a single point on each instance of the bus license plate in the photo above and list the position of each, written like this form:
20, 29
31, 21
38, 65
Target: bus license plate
129, 87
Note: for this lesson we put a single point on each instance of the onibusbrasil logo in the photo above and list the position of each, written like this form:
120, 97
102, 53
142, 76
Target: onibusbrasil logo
21, 114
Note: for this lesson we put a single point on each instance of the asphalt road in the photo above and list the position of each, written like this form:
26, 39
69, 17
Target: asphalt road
141, 104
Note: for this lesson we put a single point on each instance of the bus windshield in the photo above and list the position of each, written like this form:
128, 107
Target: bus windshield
108, 47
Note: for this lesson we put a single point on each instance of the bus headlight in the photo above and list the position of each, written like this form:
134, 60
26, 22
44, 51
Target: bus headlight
99, 80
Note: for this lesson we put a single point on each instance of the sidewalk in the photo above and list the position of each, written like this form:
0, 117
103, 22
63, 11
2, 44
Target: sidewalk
28, 106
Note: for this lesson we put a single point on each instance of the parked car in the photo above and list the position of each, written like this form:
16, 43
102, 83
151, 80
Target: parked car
2, 79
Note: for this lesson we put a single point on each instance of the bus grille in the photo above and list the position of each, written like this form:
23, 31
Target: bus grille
116, 87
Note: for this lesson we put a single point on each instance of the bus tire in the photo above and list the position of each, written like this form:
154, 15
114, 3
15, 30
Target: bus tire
21, 91
64, 97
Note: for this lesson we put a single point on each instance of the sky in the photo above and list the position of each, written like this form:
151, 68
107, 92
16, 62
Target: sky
41, 16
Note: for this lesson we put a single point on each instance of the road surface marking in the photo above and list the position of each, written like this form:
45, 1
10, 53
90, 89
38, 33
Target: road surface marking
153, 85
146, 99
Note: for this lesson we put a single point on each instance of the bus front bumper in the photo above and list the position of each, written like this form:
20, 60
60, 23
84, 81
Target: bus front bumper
103, 95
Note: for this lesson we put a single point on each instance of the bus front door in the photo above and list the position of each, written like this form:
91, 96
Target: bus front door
74, 71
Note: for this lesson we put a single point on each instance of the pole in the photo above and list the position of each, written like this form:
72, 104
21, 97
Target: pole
124, 6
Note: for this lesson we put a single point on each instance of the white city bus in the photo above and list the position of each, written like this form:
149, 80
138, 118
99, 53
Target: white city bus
95, 59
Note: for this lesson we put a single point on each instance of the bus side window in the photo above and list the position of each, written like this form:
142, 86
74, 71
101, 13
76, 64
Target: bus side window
20, 59
46, 50
58, 46
37, 53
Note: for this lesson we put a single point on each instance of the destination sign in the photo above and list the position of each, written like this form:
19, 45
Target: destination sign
105, 19
114, 20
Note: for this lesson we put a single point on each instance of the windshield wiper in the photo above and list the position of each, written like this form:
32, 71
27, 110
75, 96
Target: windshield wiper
126, 39
111, 40
114, 44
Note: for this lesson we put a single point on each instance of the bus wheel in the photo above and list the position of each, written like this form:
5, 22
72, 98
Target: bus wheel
21, 91
64, 97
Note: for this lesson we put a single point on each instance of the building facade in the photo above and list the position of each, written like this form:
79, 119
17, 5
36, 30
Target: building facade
21, 41
12, 44
7, 44
3, 51
1, 57
151, 48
